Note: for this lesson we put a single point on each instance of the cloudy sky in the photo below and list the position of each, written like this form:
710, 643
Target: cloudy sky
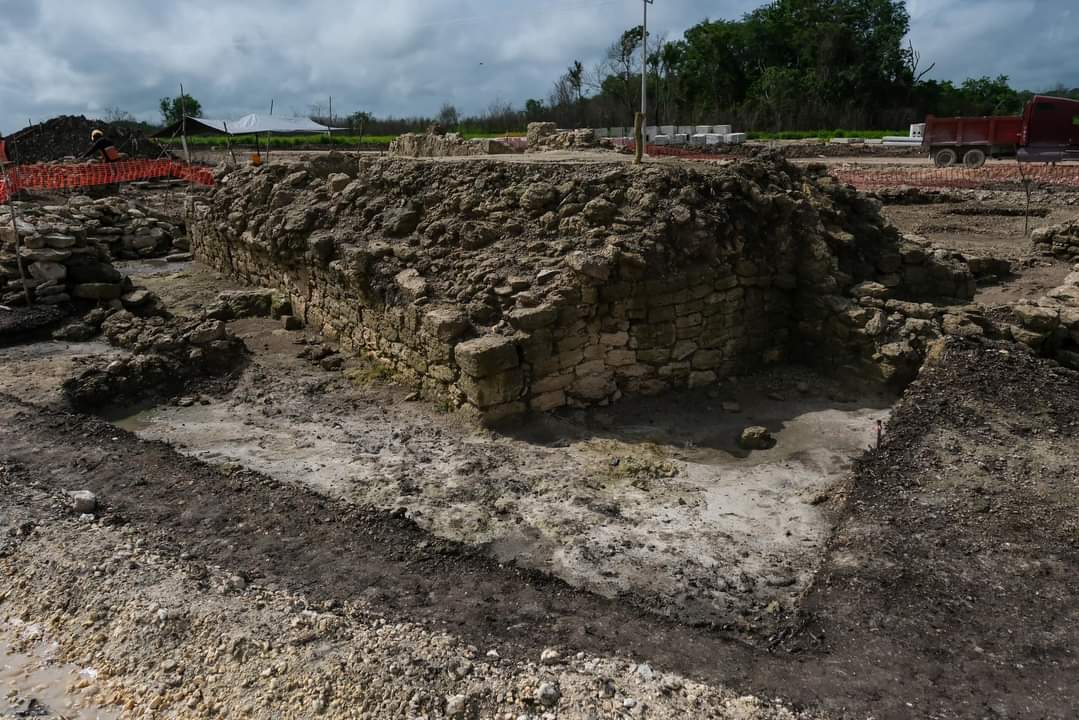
406, 57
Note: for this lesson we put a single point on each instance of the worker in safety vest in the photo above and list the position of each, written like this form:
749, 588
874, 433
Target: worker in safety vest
102, 144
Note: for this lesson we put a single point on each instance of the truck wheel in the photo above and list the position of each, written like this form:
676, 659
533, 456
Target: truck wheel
974, 158
945, 158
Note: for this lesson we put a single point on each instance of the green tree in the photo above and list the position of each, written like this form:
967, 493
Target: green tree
448, 117
172, 109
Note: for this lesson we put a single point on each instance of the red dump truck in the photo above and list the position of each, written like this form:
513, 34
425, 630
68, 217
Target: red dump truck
1047, 131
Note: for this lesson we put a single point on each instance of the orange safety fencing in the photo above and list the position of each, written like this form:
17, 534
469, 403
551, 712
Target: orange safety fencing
871, 178
72, 177
1011, 174
686, 153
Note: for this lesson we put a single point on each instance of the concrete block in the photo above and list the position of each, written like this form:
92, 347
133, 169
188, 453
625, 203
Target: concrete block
698, 139
722, 129
734, 138
601, 132
667, 129
661, 140
650, 131
680, 139
686, 130
702, 129
713, 139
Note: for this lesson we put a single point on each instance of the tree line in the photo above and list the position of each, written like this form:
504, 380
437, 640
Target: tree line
788, 65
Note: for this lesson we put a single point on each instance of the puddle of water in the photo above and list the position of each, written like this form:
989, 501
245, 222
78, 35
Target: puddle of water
35, 686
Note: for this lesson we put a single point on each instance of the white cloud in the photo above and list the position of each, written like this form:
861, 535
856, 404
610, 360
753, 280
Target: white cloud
407, 56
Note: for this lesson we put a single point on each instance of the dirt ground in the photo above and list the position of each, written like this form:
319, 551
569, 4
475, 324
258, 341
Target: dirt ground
311, 542
992, 224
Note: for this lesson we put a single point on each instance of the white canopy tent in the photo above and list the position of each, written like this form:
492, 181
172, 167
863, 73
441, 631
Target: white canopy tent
252, 124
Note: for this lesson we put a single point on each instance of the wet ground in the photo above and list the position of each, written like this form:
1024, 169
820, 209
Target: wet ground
35, 685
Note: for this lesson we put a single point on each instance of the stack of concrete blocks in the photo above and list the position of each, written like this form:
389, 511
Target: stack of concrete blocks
917, 131
714, 135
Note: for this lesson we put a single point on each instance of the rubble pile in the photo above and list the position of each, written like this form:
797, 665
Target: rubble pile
1050, 324
69, 136
501, 287
419, 145
546, 136
66, 249
166, 355
1060, 240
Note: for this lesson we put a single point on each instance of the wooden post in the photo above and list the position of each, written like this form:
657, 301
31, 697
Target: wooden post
183, 125
1026, 189
228, 143
15, 229
638, 137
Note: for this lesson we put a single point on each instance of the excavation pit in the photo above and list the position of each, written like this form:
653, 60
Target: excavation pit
648, 500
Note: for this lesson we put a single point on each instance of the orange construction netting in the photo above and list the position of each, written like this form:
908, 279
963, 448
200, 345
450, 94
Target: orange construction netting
72, 177
993, 175
989, 176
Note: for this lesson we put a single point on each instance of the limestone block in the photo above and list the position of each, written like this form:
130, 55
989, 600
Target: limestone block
445, 323
411, 284
620, 358
1038, 319
486, 355
47, 271
548, 401
593, 387
533, 318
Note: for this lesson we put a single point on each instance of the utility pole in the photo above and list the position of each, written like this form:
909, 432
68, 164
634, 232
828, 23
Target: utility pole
639, 121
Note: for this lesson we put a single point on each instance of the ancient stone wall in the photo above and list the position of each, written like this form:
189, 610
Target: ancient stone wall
502, 287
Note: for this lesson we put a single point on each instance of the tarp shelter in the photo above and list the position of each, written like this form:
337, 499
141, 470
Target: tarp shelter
252, 124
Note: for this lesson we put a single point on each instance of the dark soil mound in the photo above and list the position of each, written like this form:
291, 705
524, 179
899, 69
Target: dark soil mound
70, 135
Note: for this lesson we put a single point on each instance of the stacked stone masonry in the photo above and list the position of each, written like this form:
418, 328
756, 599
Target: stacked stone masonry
67, 249
502, 287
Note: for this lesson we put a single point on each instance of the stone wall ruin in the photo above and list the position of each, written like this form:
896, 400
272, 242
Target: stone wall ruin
502, 287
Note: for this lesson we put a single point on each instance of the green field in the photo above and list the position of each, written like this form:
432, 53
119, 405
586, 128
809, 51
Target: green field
288, 141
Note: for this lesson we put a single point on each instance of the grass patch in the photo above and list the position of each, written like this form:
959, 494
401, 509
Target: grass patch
370, 373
